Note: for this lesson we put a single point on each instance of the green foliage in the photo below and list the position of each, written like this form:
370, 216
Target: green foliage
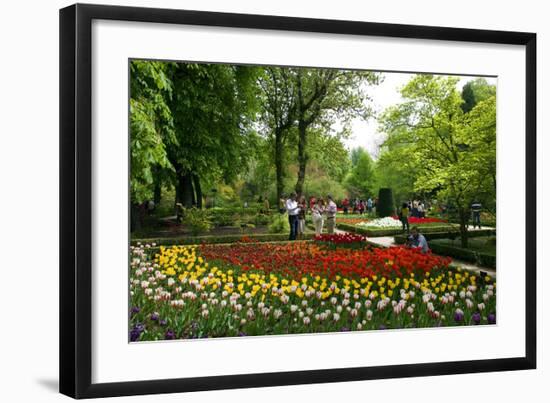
197, 220
151, 125
452, 153
326, 152
386, 203
397, 232
279, 224
360, 182
212, 108
210, 239
434, 233
482, 258
476, 91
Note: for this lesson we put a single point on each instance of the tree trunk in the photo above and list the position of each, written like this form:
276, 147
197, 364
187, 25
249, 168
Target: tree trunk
157, 193
185, 186
463, 214
136, 218
302, 158
193, 197
198, 190
279, 168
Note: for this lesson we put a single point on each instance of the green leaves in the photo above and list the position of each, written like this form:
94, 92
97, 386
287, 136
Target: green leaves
360, 181
452, 154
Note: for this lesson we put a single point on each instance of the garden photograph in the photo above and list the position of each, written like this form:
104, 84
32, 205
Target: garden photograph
278, 200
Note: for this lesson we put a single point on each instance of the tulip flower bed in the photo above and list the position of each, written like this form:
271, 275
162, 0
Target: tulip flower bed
251, 288
347, 239
351, 220
423, 220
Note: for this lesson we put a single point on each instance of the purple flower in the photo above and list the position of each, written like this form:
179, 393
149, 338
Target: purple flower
135, 309
242, 334
344, 329
163, 322
154, 316
134, 334
476, 318
491, 319
169, 335
459, 316
136, 331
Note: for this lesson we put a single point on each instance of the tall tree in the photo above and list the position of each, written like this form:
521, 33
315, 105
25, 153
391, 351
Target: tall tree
475, 91
151, 128
213, 108
323, 97
278, 114
361, 180
442, 143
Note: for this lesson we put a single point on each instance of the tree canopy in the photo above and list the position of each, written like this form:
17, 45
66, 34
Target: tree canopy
451, 152
250, 131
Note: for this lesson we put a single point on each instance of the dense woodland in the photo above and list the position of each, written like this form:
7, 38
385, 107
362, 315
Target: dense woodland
223, 135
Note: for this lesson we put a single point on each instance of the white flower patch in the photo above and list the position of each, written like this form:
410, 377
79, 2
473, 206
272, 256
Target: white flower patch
386, 222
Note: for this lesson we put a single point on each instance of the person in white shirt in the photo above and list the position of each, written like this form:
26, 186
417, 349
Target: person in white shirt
317, 215
420, 210
331, 215
292, 209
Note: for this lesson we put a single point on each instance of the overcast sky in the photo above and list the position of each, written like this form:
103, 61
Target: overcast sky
365, 134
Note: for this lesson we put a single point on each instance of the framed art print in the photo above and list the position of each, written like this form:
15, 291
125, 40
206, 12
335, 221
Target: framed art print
254, 200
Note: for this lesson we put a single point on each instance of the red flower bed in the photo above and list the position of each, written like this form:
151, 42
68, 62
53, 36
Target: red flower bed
344, 238
298, 259
425, 220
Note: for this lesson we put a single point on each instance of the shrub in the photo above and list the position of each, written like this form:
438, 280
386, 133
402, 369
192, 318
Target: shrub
467, 255
386, 203
452, 235
262, 219
212, 239
197, 220
279, 224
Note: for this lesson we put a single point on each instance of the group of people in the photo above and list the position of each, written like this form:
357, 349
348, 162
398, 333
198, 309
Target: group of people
414, 208
321, 211
359, 206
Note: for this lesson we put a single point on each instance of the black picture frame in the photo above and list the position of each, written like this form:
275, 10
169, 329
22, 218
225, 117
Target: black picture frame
76, 200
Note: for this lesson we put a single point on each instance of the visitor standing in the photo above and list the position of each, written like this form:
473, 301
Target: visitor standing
361, 207
404, 216
317, 216
302, 206
345, 205
420, 210
331, 215
369, 205
418, 241
292, 209
476, 214
414, 211
312, 202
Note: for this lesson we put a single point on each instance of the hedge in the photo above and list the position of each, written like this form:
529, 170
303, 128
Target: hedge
467, 255
386, 203
387, 231
189, 240
401, 238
